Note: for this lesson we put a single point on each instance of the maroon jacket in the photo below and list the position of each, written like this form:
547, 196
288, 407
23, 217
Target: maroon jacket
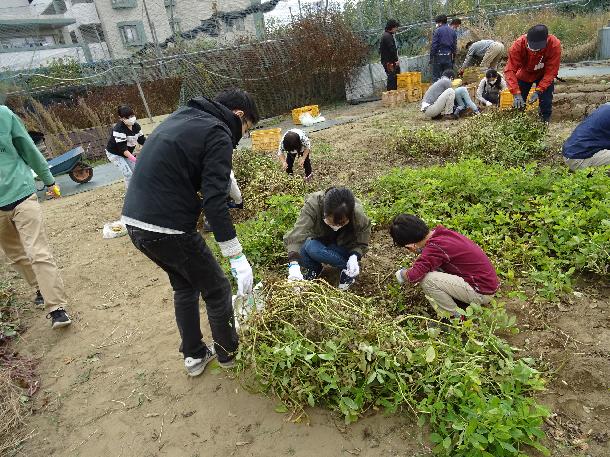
455, 254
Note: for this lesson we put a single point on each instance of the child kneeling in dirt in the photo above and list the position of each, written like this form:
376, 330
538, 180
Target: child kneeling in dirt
295, 144
332, 229
451, 269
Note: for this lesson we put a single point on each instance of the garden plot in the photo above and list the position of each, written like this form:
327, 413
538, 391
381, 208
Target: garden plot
113, 384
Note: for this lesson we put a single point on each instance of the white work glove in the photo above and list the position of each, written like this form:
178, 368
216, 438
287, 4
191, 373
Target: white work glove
352, 269
294, 272
242, 272
488, 103
400, 277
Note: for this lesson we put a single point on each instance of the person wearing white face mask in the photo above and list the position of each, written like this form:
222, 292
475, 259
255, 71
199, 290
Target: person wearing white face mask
488, 92
332, 229
125, 135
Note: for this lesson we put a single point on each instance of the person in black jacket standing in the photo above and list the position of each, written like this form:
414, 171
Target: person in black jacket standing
389, 53
188, 155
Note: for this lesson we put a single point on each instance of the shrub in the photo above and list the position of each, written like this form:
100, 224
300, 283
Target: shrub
426, 141
325, 347
506, 137
538, 224
262, 237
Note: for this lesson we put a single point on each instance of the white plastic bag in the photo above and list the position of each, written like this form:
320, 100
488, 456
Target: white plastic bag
244, 307
114, 230
307, 119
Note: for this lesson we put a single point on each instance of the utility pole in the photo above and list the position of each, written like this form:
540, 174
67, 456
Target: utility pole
171, 18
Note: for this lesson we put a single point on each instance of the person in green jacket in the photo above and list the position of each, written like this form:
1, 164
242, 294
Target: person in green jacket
22, 236
332, 229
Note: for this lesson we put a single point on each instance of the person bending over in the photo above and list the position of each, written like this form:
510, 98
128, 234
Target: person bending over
295, 144
451, 269
332, 229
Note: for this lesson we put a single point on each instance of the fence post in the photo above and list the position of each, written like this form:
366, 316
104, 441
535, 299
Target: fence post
137, 81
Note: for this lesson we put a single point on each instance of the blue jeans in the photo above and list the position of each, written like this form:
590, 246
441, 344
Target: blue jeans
463, 100
546, 98
315, 253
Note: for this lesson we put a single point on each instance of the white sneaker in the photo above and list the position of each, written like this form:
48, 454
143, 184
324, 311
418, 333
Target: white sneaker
194, 367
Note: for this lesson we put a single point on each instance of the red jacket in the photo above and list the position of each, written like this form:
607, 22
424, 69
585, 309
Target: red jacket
455, 254
530, 66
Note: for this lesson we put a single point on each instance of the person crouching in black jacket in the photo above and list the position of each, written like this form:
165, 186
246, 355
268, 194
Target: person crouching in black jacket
190, 154
389, 53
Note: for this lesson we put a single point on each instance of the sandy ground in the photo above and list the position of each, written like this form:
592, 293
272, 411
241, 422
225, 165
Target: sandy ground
113, 383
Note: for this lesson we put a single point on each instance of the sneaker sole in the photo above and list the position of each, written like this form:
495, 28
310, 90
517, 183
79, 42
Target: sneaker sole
60, 324
201, 369
227, 365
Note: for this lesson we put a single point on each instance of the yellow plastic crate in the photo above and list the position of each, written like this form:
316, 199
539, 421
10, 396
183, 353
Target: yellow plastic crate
392, 97
473, 75
296, 113
266, 140
408, 79
414, 94
506, 99
472, 91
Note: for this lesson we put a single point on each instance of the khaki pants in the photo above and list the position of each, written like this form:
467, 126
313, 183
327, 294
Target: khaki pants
24, 242
494, 54
597, 160
442, 105
442, 288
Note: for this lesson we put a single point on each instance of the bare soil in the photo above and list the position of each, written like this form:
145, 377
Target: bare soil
113, 383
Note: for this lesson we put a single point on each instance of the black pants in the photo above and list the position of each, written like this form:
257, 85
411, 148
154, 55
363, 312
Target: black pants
545, 104
290, 158
440, 63
392, 83
192, 269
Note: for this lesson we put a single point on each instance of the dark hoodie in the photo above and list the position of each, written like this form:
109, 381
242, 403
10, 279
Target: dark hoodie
189, 153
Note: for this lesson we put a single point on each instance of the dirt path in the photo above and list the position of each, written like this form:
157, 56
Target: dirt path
113, 383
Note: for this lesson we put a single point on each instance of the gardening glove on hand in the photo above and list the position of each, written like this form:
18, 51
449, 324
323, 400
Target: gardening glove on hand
461, 73
533, 97
54, 191
294, 272
353, 269
132, 159
400, 277
242, 272
488, 103
518, 102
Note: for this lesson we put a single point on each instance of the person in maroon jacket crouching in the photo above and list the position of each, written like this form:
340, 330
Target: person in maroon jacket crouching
451, 269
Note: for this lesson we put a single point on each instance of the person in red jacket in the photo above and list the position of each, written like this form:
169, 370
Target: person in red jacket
534, 58
452, 270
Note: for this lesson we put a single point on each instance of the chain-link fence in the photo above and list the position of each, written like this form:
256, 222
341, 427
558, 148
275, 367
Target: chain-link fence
323, 56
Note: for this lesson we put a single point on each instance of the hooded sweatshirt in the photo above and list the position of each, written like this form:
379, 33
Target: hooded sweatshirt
189, 154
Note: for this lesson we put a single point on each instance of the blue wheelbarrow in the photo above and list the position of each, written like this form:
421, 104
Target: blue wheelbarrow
72, 163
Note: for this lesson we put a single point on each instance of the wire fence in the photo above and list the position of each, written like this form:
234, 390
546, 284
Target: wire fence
323, 56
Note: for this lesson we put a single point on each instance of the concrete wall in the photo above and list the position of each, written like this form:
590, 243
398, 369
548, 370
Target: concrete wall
370, 80
21, 60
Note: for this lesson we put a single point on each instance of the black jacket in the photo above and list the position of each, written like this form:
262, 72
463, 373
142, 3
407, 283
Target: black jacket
122, 138
387, 48
189, 152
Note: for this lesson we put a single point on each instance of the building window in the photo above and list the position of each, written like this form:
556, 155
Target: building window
239, 24
132, 33
117, 4
73, 37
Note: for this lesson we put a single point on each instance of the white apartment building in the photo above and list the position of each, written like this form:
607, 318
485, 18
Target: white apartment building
35, 32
